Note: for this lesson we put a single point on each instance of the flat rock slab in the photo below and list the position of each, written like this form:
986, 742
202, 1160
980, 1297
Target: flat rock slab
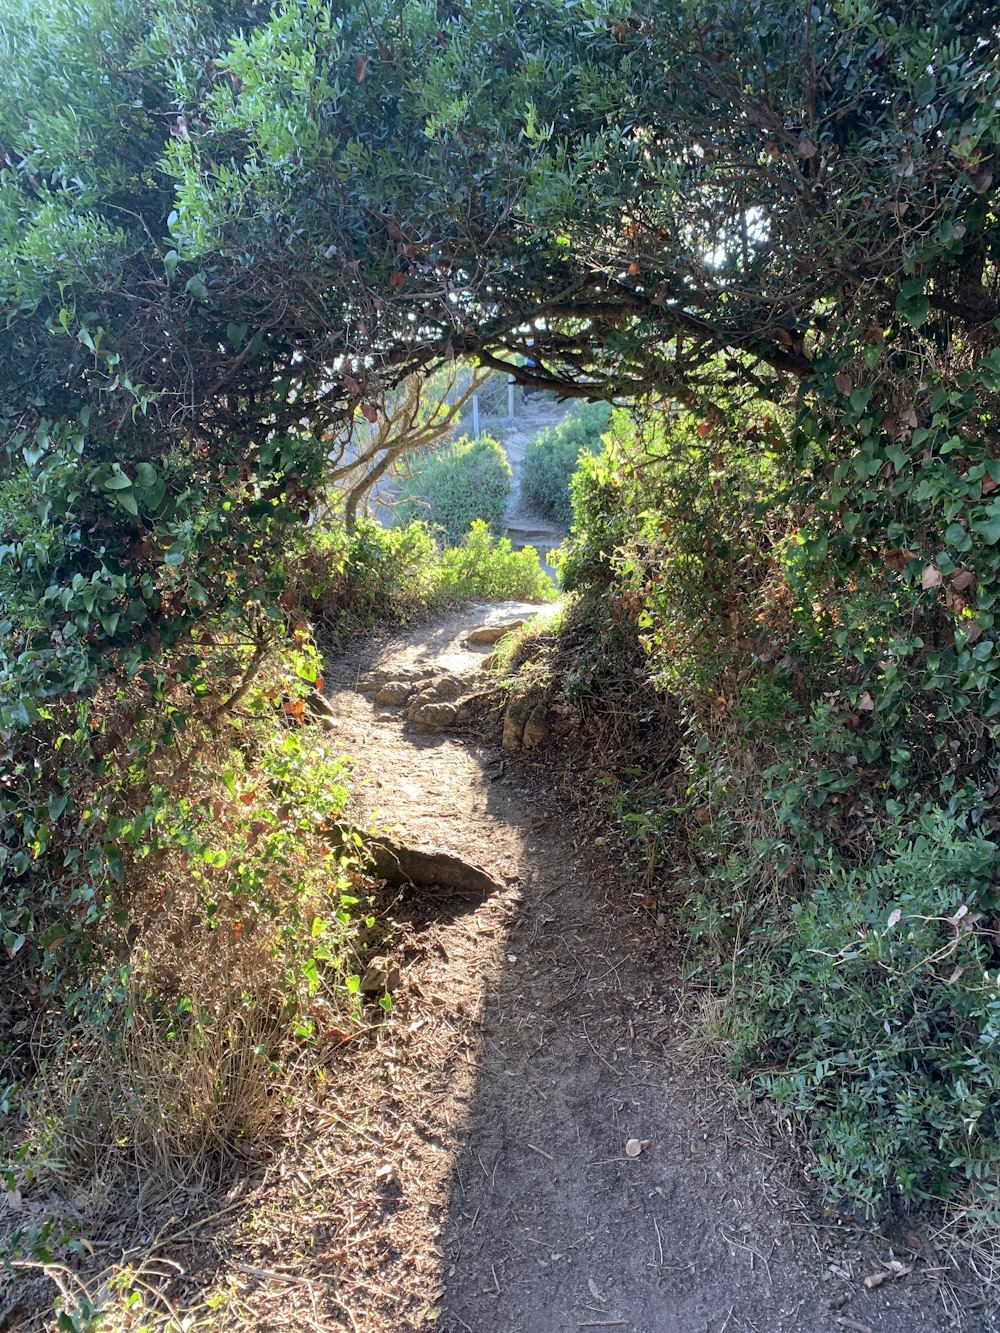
490, 634
504, 620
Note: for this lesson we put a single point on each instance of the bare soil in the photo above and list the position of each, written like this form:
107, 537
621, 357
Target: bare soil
536, 1042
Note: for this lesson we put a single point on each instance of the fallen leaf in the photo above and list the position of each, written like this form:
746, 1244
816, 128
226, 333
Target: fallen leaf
360, 68
594, 1289
369, 412
866, 704
931, 577
895, 916
896, 559
962, 580
635, 1146
843, 382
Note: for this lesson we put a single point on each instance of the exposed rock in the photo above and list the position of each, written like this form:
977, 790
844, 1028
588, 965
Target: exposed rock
398, 863
446, 687
320, 709
518, 711
536, 728
380, 976
372, 681
395, 692
484, 635
432, 713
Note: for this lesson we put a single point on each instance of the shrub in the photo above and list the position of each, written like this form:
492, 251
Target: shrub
836, 825
877, 1006
348, 581
552, 457
481, 567
456, 484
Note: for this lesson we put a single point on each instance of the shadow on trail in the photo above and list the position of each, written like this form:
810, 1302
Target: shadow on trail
553, 1224
563, 1164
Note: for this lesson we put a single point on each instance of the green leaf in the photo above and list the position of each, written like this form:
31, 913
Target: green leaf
988, 529
196, 286
915, 311
117, 481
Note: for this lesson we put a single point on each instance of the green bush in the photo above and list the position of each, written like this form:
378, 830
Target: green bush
835, 824
346, 581
552, 457
482, 567
452, 486
879, 1004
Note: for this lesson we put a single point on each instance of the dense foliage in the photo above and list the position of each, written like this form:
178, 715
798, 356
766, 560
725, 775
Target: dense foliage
455, 485
551, 458
838, 856
226, 231
349, 580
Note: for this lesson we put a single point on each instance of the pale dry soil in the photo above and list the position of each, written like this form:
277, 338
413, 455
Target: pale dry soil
533, 1035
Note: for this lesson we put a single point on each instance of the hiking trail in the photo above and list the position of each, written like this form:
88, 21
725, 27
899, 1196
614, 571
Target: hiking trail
527, 1146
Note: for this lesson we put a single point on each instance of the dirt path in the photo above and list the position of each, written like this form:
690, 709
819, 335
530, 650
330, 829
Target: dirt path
536, 413
533, 1035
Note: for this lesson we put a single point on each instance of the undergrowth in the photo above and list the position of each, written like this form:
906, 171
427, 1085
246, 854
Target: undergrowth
176, 1010
350, 581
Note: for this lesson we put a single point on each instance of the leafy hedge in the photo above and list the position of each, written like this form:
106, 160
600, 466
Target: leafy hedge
453, 486
838, 827
552, 457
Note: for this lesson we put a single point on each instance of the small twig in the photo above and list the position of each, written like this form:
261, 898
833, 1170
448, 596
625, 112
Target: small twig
852, 1324
602, 1323
750, 1250
541, 1151
272, 1275
659, 1242
260, 652
617, 1072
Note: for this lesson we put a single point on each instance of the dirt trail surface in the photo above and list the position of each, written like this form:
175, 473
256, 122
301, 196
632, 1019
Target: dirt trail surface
537, 412
534, 1046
